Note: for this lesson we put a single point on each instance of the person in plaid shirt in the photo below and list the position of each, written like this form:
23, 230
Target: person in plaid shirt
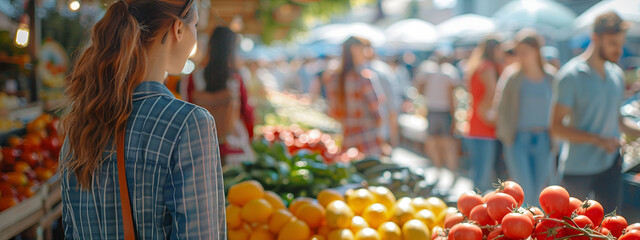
355, 101
171, 156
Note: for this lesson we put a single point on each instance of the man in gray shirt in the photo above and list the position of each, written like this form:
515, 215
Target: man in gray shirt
586, 115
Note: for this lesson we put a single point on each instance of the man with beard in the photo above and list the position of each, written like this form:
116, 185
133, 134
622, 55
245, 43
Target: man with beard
589, 93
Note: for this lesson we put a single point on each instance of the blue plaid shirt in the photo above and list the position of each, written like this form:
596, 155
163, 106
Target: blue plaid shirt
173, 174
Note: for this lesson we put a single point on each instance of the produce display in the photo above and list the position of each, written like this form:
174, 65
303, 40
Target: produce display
365, 213
7, 125
501, 214
290, 109
402, 180
28, 161
302, 174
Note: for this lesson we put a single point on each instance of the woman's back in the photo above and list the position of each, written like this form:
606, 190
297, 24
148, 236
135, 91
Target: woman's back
172, 169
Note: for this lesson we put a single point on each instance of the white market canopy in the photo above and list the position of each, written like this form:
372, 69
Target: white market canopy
629, 10
415, 34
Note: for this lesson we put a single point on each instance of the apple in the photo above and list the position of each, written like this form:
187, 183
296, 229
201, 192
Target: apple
42, 174
17, 179
51, 143
21, 166
7, 189
7, 202
10, 155
32, 158
14, 141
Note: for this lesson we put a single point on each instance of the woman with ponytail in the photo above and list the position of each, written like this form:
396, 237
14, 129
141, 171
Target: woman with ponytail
136, 161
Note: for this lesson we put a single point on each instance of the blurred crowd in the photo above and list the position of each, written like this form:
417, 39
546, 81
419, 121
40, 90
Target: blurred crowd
544, 122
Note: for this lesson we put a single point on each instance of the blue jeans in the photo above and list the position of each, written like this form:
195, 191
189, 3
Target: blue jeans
482, 155
530, 163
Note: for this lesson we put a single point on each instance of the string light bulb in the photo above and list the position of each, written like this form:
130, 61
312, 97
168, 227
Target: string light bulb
74, 5
22, 35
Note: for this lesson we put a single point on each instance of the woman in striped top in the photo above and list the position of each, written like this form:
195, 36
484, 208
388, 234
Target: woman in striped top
172, 161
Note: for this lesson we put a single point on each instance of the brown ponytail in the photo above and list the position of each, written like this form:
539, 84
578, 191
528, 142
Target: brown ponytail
101, 84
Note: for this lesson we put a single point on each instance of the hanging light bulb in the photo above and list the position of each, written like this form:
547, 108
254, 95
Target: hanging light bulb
74, 5
22, 35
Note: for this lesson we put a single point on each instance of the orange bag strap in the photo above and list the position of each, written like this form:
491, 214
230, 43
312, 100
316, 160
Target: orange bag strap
127, 220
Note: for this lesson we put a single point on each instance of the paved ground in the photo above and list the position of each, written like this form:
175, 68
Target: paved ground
447, 183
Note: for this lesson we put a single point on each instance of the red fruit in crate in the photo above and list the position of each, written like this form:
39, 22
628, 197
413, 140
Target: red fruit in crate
19, 179
593, 210
499, 205
514, 189
615, 224
43, 174
51, 143
50, 164
21, 166
52, 127
7, 189
27, 191
3, 177
14, 141
537, 212
10, 155
631, 235
32, 158
555, 201
7, 202
467, 201
580, 221
575, 204
487, 195
604, 231
517, 226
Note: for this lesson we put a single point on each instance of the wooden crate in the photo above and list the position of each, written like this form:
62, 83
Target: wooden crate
22, 216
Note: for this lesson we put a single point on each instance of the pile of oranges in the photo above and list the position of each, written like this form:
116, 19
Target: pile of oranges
360, 214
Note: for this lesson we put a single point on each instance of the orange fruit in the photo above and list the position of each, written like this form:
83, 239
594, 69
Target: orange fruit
262, 234
312, 214
367, 234
278, 219
375, 215
256, 211
384, 196
298, 202
323, 230
415, 229
419, 204
327, 196
402, 212
358, 223
338, 215
340, 234
436, 205
317, 237
14, 141
233, 216
241, 233
427, 217
295, 230
273, 199
243, 192
360, 200
390, 231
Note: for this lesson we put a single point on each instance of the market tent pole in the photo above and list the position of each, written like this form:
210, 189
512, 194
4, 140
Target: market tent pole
33, 48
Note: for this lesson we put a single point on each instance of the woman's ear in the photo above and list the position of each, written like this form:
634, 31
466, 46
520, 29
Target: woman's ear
177, 30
